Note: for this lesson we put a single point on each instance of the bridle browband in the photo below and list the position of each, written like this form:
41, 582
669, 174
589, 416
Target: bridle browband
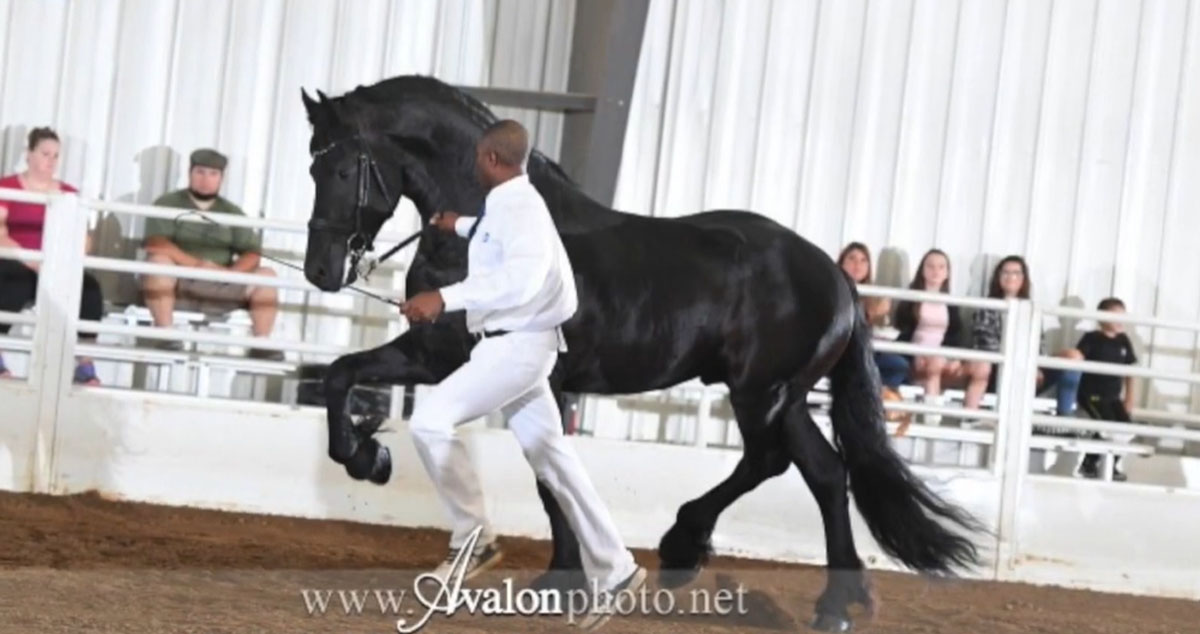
359, 241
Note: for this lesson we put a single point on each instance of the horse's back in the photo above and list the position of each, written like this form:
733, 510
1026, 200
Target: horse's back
666, 300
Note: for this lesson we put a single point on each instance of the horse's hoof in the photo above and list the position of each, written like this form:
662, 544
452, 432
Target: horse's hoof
830, 623
382, 471
672, 578
682, 553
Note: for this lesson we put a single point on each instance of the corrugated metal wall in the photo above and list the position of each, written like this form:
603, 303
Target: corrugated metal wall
133, 86
1067, 131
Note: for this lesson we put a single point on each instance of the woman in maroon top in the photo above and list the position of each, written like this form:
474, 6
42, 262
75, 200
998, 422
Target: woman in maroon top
21, 227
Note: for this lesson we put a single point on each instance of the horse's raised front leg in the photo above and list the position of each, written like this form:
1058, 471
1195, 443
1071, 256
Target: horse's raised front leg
685, 548
353, 445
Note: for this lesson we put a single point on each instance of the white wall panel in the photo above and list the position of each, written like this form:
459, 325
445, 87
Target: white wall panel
134, 86
1059, 130
877, 130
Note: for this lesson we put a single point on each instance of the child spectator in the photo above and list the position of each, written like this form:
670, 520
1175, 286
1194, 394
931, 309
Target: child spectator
1100, 395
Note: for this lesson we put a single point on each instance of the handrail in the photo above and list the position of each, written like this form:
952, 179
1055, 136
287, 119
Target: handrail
1124, 318
22, 255
988, 303
964, 354
17, 319
214, 275
1116, 369
265, 343
171, 213
1148, 431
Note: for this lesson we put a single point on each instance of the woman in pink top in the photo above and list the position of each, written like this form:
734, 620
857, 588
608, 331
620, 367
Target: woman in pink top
929, 324
21, 227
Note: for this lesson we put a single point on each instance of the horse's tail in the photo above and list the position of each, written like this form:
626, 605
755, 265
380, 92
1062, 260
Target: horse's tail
901, 511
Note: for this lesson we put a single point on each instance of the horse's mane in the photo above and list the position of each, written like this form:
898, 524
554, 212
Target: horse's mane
406, 87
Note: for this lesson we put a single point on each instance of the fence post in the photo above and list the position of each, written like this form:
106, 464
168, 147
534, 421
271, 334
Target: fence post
1016, 417
59, 293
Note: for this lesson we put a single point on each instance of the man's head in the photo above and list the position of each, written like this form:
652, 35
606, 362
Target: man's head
1112, 305
205, 174
501, 153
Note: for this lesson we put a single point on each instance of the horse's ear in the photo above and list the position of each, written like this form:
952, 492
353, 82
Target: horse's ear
310, 106
324, 99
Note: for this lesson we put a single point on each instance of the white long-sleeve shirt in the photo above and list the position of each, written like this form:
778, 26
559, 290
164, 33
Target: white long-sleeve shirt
519, 277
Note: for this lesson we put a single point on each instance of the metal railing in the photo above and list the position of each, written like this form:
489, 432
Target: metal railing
62, 262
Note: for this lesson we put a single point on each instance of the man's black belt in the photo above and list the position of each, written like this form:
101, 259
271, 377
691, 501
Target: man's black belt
490, 333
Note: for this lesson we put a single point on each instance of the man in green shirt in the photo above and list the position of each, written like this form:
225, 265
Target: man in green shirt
204, 245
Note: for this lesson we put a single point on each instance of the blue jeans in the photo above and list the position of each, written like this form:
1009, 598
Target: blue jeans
893, 368
1066, 385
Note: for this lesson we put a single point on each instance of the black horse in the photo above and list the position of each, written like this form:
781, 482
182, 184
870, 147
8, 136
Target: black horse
725, 296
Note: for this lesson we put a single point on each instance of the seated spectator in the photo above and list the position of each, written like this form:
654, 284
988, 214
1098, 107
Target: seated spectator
1100, 395
1010, 280
855, 260
21, 226
931, 324
211, 247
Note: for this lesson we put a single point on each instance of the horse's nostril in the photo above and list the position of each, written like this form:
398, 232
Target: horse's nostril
320, 273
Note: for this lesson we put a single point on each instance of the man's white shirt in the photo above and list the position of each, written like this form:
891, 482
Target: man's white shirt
519, 277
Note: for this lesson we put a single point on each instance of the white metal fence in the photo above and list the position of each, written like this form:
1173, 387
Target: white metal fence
1044, 527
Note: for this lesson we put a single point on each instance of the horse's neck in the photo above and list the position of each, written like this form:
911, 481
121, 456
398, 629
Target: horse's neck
572, 210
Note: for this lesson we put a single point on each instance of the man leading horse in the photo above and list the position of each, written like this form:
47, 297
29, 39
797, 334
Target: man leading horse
519, 290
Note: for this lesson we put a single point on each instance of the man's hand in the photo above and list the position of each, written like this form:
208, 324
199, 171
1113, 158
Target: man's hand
423, 307
444, 220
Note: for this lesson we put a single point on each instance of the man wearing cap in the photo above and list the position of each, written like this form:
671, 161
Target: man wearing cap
205, 245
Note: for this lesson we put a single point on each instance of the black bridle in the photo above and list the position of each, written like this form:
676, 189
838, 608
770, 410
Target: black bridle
359, 241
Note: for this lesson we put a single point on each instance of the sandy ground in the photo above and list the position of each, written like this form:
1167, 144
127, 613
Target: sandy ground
83, 564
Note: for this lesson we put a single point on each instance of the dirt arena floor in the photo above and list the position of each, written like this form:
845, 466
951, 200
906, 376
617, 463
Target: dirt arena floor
84, 564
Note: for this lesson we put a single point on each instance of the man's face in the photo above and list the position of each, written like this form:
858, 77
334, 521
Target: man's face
205, 181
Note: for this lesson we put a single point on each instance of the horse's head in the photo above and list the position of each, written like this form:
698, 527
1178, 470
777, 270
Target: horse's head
354, 193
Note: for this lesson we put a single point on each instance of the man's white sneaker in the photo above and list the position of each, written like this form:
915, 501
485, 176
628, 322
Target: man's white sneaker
598, 615
482, 558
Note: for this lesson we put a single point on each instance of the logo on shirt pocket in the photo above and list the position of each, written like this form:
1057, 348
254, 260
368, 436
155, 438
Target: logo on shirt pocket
486, 236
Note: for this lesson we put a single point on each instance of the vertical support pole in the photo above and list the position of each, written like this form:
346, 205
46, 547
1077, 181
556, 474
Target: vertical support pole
1016, 424
606, 43
1004, 383
52, 362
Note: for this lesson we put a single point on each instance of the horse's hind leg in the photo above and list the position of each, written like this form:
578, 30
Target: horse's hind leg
566, 565
684, 549
825, 474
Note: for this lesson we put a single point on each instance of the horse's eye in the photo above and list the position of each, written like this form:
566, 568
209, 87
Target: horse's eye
344, 173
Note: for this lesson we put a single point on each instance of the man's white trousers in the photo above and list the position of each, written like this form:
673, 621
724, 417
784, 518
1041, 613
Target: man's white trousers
510, 373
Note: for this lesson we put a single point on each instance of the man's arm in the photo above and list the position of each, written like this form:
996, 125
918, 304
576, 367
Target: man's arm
248, 246
161, 245
246, 262
527, 259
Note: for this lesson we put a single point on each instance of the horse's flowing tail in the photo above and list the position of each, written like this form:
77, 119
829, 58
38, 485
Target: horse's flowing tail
902, 512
